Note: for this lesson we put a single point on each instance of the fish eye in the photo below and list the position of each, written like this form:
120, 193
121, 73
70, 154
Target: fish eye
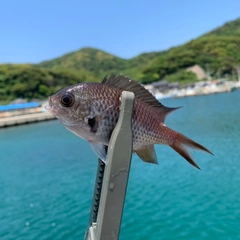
67, 100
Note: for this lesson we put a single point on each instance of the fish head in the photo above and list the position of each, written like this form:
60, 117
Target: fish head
69, 105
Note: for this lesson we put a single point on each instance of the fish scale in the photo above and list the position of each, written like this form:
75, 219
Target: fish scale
145, 127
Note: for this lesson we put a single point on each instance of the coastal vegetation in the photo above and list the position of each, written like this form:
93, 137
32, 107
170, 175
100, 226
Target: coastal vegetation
219, 55
32, 82
217, 52
99, 62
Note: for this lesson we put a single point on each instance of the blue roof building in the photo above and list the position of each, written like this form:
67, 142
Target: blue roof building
19, 106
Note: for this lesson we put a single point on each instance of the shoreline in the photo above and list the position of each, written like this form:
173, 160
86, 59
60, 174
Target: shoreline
25, 119
46, 116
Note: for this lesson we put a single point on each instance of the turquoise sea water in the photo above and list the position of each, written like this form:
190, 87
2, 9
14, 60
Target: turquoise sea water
47, 178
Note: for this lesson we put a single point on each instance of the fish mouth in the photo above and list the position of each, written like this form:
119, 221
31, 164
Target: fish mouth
51, 110
48, 107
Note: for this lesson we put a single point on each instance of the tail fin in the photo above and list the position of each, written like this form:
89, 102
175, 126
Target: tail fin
179, 146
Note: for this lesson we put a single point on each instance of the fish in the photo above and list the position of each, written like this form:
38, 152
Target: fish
91, 111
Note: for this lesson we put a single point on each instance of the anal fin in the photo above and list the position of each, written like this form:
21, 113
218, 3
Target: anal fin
147, 154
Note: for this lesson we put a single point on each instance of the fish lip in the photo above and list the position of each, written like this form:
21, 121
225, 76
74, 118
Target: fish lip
48, 107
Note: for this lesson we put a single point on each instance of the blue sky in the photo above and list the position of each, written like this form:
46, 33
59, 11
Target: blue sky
34, 31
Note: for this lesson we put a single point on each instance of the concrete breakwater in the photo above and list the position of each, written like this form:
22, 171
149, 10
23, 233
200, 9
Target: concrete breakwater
24, 119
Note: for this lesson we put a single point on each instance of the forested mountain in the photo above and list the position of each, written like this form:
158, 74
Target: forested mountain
219, 54
229, 29
100, 62
218, 51
29, 82
90, 59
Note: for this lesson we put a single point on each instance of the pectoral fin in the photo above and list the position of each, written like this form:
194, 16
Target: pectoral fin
94, 121
100, 150
147, 154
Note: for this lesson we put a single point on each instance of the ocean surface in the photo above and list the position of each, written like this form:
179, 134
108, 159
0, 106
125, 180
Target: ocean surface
47, 177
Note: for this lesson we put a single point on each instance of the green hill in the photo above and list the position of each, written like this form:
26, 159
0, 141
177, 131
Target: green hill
92, 60
219, 54
100, 63
29, 82
217, 50
228, 29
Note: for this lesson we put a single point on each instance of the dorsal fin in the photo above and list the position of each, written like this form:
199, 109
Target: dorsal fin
125, 83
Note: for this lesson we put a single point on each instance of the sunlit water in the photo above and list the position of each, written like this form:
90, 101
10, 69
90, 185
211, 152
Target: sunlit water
47, 178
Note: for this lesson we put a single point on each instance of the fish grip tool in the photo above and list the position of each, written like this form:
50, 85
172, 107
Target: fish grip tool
112, 178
